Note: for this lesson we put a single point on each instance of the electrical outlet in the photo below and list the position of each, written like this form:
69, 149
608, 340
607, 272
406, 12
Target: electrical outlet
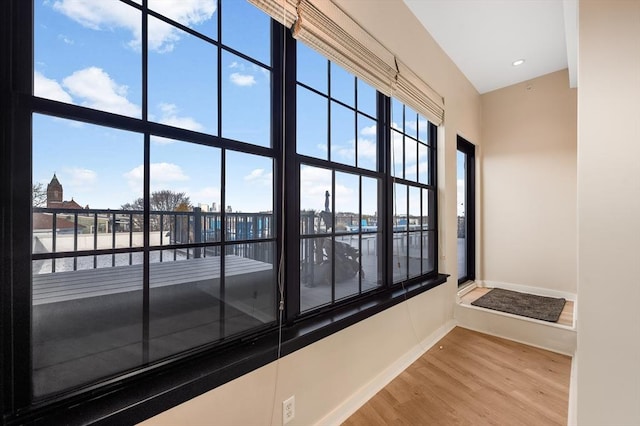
288, 409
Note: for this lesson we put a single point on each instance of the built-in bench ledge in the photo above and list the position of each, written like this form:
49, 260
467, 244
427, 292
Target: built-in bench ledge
557, 336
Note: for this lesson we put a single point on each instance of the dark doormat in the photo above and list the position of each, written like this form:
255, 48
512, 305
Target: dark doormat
523, 304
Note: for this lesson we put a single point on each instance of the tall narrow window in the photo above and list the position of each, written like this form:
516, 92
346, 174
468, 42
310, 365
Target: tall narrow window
466, 211
337, 149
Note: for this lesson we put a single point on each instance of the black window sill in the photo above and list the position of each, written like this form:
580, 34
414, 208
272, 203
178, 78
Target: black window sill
145, 394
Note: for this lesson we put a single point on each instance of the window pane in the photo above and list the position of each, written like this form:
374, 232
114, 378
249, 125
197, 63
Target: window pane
462, 214
400, 207
86, 309
312, 68
410, 122
343, 141
428, 209
200, 16
190, 101
367, 143
316, 272
414, 221
366, 98
415, 257
315, 200
185, 190
400, 226
250, 286
423, 164
371, 257
246, 29
369, 204
397, 154
397, 115
411, 159
428, 252
347, 202
346, 258
312, 124
74, 56
343, 85
249, 196
423, 129
203, 310
400, 249
246, 101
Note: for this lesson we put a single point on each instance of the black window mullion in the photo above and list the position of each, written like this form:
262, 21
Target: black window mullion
329, 110
332, 235
386, 188
287, 48
15, 295
146, 188
433, 162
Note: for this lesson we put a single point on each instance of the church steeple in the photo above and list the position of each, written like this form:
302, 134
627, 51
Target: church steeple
54, 191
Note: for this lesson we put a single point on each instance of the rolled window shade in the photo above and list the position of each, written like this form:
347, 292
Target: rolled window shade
328, 30
324, 27
411, 90
283, 11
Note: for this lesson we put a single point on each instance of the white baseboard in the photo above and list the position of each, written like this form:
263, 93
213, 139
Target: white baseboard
540, 291
358, 399
572, 419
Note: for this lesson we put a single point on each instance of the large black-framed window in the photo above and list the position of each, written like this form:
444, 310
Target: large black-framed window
132, 249
466, 231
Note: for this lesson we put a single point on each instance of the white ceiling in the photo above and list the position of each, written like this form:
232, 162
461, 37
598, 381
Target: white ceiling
484, 37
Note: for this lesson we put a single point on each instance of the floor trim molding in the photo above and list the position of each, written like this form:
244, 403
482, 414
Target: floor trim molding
342, 412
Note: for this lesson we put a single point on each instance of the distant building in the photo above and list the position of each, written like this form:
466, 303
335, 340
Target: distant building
55, 196
65, 222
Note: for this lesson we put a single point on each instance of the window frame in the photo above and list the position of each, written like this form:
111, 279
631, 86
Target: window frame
151, 389
468, 149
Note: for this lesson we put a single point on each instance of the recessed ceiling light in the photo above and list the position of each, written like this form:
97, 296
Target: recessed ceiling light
518, 62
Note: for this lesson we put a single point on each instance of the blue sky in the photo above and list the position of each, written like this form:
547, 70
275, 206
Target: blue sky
88, 53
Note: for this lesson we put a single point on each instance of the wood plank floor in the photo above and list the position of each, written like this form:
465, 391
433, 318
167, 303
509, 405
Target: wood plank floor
566, 316
470, 378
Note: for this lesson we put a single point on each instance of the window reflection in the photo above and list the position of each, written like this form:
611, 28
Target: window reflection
246, 29
312, 124
248, 196
191, 101
246, 101
200, 16
72, 56
343, 142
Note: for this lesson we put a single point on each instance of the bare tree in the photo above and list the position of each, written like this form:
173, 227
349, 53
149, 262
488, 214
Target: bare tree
160, 201
38, 195
165, 201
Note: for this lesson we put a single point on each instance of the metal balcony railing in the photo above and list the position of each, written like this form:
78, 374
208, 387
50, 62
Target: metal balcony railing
93, 238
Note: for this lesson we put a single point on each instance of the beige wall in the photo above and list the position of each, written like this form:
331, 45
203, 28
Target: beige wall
608, 355
326, 374
529, 184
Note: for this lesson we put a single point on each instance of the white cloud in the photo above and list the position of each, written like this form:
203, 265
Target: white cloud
109, 15
367, 149
242, 80
259, 176
99, 91
65, 39
50, 89
80, 177
369, 130
169, 115
162, 174
206, 195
